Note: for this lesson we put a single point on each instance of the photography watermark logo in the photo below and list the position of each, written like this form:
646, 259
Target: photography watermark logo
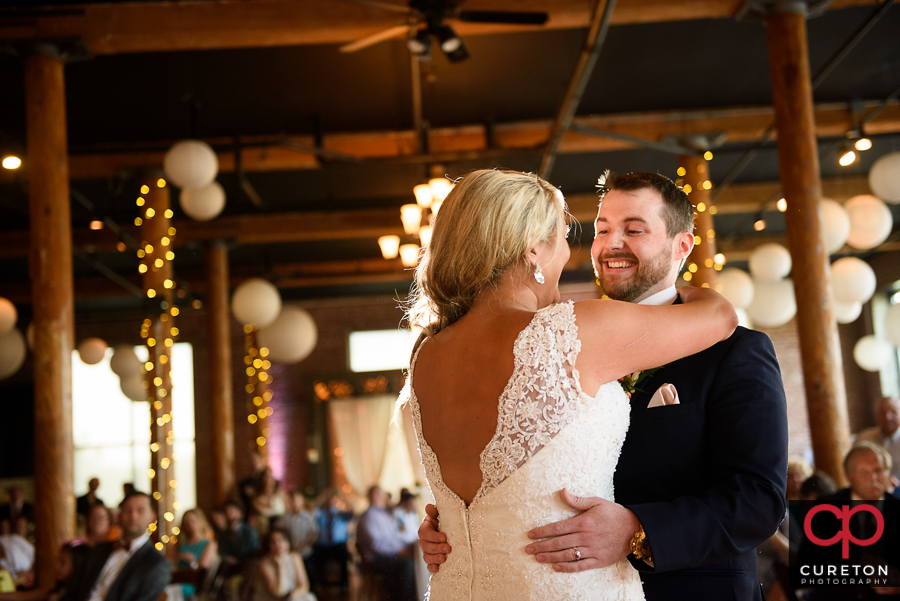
849, 543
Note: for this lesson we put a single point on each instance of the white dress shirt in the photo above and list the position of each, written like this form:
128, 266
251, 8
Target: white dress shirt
113, 567
663, 297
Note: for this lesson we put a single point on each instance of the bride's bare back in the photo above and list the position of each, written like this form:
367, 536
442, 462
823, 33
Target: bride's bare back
459, 378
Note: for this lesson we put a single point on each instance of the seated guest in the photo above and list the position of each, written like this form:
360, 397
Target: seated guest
17, 554
817, 486
250, 486
333, 523
17, 506
383, 549
299, 524
269, 501
886, 433
130, 569
84, 503
68, 561
99, 526
239, 540
281, 575
196, 548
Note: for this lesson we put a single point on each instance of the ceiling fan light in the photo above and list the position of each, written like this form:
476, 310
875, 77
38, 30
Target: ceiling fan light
420, 44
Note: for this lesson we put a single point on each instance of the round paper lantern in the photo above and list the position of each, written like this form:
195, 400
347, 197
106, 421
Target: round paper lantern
8, 316
846, 312
870, 221
203, 204
835, 225
125, 362
92, 350
852, 280
736, 286
291, 338
191, 164
884, 177
770, 262
872, 353
256, 301
12, 352
773, 303
133, 387
892, 324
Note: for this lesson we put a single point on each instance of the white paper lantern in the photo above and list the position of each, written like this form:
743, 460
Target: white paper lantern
12, 352
892, 324
191, 164
884, 177
203, 204
256, 301
852, 280
770, 262
92, 350
870, 221
736, 286
8, 316
872, 353
133, 387
125, 362
773, 303
291, 338
846, 312
835, 225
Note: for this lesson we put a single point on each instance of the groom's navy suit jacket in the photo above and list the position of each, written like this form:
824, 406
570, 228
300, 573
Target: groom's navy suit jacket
707, 477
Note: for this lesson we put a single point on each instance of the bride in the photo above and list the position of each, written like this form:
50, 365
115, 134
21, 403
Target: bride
514, 394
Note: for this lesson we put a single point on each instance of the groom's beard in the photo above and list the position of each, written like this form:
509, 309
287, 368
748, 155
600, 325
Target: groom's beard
648, 274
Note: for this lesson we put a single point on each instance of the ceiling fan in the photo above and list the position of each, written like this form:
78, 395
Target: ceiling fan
425, 19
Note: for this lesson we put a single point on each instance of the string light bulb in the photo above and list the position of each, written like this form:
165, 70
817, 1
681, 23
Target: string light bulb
863, 144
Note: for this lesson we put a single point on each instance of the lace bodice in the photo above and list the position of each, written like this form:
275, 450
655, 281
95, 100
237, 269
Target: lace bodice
550, 435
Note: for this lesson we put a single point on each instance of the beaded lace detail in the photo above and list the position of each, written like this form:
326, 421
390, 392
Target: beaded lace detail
549, 435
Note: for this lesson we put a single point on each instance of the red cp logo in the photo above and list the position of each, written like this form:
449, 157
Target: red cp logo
844, 514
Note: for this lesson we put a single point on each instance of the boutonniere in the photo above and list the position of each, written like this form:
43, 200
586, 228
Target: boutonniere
631, 381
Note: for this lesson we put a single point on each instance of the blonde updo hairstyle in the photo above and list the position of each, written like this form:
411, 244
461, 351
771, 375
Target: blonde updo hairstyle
486, 226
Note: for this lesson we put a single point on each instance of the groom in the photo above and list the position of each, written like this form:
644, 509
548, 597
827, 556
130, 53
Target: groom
701, 479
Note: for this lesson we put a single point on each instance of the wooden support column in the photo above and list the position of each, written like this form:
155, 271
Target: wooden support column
220, 385
50, 264
701, 264
798, 160
159, 333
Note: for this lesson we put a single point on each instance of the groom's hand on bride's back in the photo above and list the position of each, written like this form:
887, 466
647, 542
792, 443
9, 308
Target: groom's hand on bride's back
597, 537
432, 542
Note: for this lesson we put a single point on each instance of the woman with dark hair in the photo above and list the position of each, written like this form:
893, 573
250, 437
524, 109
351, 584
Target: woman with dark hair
281, 575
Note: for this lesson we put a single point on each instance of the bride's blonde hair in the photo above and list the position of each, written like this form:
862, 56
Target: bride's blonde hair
485, 226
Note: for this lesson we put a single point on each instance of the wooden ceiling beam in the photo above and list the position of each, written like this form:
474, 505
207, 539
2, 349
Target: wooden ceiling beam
116, 28
284, 228
270, 153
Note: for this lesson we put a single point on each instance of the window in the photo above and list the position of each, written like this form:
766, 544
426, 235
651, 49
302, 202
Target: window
111, 433
379, 350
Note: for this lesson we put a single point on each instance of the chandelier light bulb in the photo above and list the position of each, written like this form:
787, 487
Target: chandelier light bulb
390, 246
440, 187
863, 144
847, 158
424, 195
425, 235
12, 162
411, 216
409, 254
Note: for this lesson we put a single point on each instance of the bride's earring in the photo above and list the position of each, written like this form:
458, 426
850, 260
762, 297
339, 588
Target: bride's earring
538, 274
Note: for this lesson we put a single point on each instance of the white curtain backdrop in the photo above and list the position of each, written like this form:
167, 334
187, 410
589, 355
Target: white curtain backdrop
361, 426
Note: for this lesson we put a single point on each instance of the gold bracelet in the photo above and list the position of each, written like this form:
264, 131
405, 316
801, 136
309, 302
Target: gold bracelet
640, 548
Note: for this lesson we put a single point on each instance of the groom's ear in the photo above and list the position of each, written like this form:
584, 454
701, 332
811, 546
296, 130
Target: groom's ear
684, 244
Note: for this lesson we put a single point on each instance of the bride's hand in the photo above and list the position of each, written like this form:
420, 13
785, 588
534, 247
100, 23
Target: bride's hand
432, 542
600, 535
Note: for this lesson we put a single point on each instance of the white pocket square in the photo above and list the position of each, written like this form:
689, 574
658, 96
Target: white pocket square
665, 395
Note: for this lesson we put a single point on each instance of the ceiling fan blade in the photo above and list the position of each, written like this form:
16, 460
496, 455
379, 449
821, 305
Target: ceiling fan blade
371, 40
397, 8
496, 16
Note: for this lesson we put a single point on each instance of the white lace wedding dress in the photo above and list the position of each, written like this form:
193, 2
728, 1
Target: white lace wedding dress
550, 435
